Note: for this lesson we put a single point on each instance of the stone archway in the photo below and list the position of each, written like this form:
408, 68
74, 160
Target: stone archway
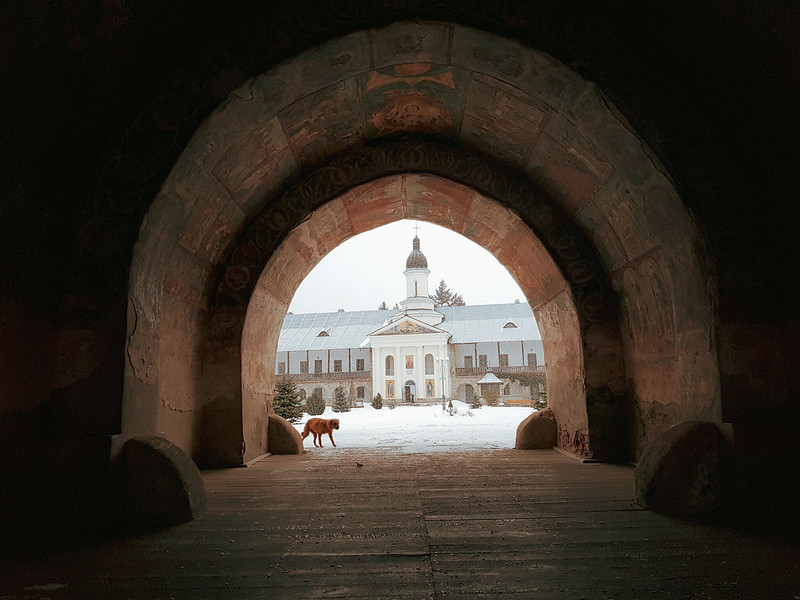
469, 394
427, 197
513, 125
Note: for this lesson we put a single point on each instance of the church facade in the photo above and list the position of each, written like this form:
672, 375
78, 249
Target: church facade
417, 353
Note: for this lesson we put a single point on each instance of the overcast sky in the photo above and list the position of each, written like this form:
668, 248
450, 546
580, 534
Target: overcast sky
368, 269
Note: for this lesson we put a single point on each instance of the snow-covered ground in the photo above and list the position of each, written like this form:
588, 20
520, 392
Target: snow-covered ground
423, 428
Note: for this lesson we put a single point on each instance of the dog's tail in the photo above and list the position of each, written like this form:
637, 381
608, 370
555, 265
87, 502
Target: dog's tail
306, 431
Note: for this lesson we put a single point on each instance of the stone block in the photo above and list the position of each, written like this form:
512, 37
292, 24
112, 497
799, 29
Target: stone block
158, 482
537, 431
682, 472
283, 438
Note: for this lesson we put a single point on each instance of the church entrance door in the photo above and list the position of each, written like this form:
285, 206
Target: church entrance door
409, 391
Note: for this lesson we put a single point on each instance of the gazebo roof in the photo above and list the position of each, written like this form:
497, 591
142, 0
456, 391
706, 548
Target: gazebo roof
489, 378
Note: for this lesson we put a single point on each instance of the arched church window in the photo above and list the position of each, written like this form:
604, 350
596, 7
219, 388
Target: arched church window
429, 364
390, 365
507, 390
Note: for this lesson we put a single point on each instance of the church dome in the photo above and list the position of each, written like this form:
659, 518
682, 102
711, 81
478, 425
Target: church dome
416, 260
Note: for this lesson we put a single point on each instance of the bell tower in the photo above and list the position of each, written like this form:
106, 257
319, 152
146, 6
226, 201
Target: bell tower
417, 279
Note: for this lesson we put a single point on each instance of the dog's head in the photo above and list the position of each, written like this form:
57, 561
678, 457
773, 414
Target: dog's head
335, 423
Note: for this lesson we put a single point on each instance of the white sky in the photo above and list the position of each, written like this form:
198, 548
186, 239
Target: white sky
368, 269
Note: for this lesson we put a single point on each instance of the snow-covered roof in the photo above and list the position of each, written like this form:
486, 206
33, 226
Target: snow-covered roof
344, 329
489, 378
485, 323
467, 324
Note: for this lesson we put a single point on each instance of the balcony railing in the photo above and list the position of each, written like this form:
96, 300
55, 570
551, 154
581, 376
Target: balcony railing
467, 371
365, 375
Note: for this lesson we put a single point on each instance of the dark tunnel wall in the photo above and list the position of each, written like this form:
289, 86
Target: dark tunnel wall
99, 100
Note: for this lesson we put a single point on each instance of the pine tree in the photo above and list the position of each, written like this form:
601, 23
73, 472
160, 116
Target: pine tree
340, 403
444, 297
286, 402
377, 401
315, 405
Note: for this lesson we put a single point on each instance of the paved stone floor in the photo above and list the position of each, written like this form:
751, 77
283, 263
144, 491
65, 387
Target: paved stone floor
479, 524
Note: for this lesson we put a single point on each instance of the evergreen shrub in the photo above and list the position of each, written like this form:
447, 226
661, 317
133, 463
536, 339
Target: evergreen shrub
315, 405
340, 403
286, 402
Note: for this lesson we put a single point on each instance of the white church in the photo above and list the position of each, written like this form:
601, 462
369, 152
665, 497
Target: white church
419, 353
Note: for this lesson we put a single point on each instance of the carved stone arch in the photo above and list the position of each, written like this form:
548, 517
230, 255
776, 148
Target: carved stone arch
562, 239
611, 222
583, 293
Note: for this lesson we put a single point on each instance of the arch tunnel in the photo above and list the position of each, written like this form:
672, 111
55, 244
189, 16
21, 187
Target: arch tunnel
572, 203
646, 208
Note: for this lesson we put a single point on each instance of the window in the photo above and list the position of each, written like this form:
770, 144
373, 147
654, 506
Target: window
504, 360
318, 392
359, 364
304, 366
510, 325
532, 359
507, 389
482, 362
468, 362
317, 366
429, 364
323, 333
281, 368
390, 365
337, 366
301, 393
360, 392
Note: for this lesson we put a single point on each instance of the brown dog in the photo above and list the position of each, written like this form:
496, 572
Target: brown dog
320, 426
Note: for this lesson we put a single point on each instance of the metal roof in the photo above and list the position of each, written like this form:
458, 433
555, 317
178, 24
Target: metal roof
485, 323
490, 378
467, 324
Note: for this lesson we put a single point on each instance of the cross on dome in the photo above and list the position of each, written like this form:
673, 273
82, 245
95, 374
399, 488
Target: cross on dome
416, 260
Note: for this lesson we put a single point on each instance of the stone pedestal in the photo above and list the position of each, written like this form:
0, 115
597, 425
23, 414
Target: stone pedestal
282, 437
158, 483
683, 472
537, 431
